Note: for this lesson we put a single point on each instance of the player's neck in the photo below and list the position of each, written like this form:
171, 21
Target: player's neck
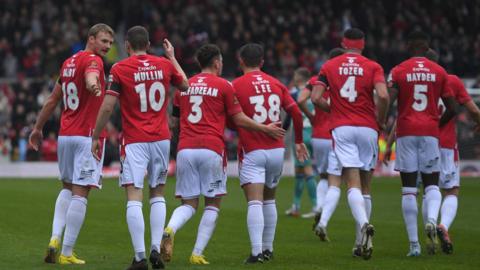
354, 51
210, 71
250, 69
137, 53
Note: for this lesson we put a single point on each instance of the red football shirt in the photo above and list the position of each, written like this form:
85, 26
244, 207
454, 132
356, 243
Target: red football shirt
142, 83
321, 122
448, 133
350, 79
420, 83
261, 97
80, 106
204, 109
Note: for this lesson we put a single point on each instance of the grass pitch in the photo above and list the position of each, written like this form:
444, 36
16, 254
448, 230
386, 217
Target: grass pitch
104, 242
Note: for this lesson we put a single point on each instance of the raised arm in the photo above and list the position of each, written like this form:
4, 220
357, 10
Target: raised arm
170, 54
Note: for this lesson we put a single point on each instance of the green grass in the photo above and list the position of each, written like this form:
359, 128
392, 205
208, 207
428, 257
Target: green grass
104, 242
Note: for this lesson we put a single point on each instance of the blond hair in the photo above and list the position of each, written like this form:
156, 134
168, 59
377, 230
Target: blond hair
100, 27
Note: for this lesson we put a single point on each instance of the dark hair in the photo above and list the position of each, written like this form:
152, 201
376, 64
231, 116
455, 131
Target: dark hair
206, 54
354, 33
418, 42
432, 55
138, 38
100, 27
251, 54
303, 72
335, 52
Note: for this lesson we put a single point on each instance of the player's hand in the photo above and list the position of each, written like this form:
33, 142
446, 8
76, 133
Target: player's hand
302, 152
95, 149
169, 50
35, 139
274, 130
386, 156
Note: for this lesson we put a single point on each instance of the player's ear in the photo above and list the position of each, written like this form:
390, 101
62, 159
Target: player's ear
261, 63
148, 47
127, 46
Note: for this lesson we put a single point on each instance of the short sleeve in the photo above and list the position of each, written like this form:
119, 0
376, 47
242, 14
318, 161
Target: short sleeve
94, 64
232, 106
287, 100
447, 90
114, 86
378, 74
322, 77
462, 95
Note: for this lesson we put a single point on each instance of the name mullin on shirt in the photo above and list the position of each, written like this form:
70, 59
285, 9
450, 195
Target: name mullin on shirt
148, 73
200, 88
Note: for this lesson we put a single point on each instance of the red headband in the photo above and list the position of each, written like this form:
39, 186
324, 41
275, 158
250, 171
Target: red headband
358, 44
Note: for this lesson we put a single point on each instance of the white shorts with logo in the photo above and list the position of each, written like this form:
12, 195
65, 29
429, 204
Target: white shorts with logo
145, 157
356, 147
262, 167
417, 153
76, 162
449, 169
200, 172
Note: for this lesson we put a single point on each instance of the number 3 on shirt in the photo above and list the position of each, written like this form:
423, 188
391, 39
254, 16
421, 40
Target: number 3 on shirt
420, 96
348, 89
261, 113
196, 114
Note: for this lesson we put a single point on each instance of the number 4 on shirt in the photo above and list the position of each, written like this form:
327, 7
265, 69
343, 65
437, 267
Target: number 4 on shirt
348, 89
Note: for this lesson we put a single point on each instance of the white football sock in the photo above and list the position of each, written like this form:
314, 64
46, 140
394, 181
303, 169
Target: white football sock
205, 228
331, 201
74, 221
158, 212
424, 210
180, 216
368, 209
255, 224
410, 212
59, 217
136, 227
434, 200
449, 210
322, 188
357, 205
270, 224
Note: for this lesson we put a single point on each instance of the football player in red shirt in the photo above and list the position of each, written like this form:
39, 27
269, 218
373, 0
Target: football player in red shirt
328, 191
203, 111
262, 97
351, 80
81, 84
141, 82
419, 84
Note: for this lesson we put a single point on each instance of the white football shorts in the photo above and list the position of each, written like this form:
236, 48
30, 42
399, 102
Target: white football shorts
262, 167
76, 162
145, 158
321, 150
356, 147
200, 172
417, 153
449, 169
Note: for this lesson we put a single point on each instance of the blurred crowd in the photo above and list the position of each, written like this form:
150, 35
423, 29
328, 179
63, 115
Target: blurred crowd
36, 36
